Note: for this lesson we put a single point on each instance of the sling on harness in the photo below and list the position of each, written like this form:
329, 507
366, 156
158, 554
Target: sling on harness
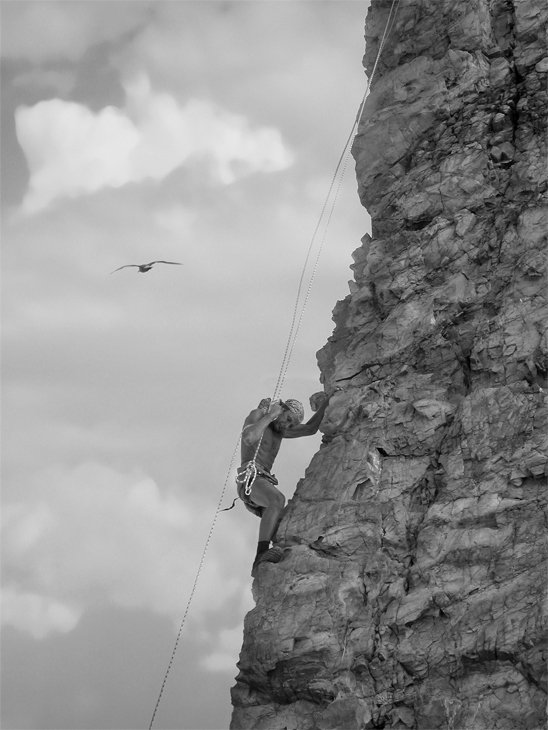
245, 479
248, 477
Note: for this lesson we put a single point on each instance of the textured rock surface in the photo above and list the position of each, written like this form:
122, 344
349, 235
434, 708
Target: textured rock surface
412, 593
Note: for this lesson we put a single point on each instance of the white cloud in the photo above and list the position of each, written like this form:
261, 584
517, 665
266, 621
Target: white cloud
98, 537
72, 150
30, 526
225, 656
36, 614
227, 643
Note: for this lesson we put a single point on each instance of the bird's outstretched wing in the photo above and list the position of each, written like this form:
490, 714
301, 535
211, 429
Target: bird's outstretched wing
165, 262
124, 267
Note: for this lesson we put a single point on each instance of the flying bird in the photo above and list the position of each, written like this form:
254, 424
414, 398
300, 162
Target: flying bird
143, 268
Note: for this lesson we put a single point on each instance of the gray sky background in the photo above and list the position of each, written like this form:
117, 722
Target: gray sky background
199, 132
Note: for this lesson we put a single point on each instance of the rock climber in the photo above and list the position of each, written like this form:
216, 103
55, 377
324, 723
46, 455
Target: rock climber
262, 435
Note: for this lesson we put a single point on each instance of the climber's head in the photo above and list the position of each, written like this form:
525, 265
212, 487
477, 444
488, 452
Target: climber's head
291, 415
296, 407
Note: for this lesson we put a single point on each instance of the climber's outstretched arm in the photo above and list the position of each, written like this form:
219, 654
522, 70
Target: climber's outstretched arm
310, 427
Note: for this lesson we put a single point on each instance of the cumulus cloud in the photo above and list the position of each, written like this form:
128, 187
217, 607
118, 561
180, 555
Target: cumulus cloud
226, 654
98, 537
37, 614
71, 150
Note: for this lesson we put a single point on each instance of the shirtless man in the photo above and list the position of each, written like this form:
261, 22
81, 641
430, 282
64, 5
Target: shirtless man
269, 424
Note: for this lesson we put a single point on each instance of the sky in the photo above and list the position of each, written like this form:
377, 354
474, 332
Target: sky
198, 132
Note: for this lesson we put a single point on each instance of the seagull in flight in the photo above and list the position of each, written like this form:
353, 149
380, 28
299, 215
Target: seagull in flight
143, 268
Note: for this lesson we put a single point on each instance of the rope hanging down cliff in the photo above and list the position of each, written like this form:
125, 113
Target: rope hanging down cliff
295, 323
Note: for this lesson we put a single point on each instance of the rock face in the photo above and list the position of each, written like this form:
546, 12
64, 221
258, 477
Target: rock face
412, 593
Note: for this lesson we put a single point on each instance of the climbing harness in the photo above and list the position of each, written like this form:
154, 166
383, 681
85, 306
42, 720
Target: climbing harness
251, 469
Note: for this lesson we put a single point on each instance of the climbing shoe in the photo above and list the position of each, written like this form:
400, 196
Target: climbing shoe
274, 555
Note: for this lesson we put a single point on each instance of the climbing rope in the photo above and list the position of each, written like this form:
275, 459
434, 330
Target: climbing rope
293, 332
194, 584
296, 323
251, 469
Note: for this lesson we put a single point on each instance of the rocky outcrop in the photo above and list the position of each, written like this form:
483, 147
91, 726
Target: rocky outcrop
413, 589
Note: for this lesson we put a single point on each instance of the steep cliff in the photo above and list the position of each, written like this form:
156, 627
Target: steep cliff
412, 593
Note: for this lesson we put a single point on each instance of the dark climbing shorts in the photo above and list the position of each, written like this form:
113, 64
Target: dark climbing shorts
240, 488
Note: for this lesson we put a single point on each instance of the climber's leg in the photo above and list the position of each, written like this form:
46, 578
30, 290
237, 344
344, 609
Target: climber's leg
265, 495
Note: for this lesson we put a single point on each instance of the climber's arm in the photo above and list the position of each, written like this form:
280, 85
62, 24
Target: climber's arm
310, 427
